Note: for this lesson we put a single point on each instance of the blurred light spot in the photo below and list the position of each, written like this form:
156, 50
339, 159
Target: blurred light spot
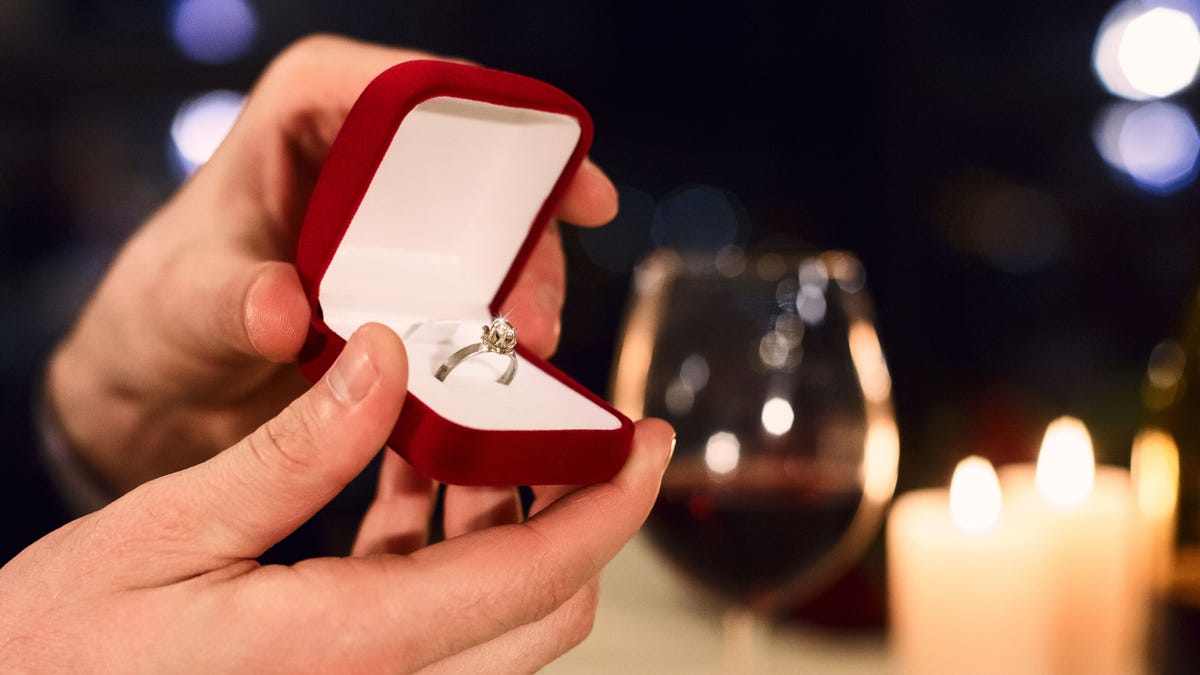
1155, 466
722, 451
213, 31
881, 459
1155, 144
619, 245
1017, 229
785, 292
774, 350
650, 275
777, 416
810, 305
1167, 361
867, 355
846, 270
814, 273
200, 125
1012, 227
1146, 49
790, 327
731, 261
679, 398
698, 218
694, 372
770, 267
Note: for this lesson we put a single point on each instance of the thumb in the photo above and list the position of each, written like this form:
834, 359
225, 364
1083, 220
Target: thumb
263, 488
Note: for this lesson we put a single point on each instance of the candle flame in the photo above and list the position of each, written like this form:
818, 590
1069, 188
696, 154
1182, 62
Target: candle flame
1066, 466
1155, 465
975, 501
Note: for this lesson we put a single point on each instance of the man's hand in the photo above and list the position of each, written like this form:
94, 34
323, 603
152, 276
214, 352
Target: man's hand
164, 579
188, 343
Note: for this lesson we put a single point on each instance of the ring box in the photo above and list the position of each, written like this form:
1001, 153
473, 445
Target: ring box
429, 204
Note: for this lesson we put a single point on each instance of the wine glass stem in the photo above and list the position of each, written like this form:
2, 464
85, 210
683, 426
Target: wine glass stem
742, 630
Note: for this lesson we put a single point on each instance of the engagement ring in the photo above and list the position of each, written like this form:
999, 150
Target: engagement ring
498, 338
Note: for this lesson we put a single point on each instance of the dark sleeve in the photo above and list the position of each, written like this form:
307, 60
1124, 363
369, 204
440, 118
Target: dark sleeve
29, 504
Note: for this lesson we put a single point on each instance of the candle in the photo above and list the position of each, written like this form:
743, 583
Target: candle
1083, 518
964, 581
1155, 468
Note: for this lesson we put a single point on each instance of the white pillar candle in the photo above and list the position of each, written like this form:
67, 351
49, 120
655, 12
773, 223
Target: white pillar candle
963, 579
1083, 518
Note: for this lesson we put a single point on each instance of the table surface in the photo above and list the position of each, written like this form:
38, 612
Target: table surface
650, 622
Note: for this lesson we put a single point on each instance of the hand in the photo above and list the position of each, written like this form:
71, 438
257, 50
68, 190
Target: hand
189, 342
164, 579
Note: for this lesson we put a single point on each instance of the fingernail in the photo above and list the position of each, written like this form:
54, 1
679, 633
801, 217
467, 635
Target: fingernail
671, 452
353, 373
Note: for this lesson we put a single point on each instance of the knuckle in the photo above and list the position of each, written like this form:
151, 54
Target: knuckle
295, 64
289, 440
580, 616
308, 49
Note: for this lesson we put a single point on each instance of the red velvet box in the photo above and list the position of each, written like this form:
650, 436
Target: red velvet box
430, 201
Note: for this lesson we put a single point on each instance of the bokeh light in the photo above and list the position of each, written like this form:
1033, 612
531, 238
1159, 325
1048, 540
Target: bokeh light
1147, 49
213, 31
1011, 226
697, 218
722, 452
778, 416
200, 125
681, 392
1156, 144
619, 245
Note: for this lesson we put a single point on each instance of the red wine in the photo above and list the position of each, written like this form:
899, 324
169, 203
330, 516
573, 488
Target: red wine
751, 534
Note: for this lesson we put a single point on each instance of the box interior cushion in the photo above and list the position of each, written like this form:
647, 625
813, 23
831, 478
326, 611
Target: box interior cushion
470, 395
449, 207
433, 238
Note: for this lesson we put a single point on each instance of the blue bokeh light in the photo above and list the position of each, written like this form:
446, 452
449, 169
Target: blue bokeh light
1156, 144
697, 218
200, 125
213, 31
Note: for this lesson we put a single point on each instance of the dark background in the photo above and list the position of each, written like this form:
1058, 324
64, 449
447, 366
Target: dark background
892, 130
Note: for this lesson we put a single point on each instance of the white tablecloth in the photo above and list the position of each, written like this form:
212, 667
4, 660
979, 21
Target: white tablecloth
649, 622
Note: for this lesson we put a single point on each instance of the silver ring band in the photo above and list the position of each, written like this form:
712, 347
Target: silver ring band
498, 338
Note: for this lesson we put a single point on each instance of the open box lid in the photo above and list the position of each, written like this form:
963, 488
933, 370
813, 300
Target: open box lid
431, 200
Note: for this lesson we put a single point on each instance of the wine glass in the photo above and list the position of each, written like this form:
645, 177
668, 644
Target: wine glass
769, 367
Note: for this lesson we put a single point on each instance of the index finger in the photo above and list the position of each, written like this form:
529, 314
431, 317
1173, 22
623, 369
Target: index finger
590, 199
292, 116
294, 112
505, 577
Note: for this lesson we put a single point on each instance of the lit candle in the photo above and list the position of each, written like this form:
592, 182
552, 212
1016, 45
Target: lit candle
1083, 517
963, 581
1155, 467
